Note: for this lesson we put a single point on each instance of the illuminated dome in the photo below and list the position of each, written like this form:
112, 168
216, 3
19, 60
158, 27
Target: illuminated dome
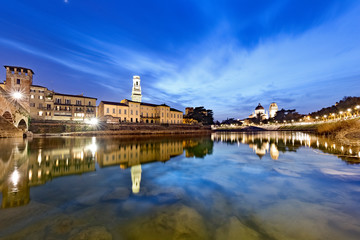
259, 107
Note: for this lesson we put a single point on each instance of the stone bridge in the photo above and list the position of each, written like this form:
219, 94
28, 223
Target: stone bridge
14, 118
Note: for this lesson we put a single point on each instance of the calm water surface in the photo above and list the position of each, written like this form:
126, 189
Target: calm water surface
225, 186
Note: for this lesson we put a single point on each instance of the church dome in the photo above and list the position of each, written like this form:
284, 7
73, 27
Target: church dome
273, 105
259, 107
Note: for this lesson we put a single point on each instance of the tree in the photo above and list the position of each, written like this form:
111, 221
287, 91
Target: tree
202, 115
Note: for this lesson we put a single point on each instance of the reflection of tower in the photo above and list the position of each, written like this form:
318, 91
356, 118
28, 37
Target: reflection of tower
273, 109
16, 191
19, 79
136, 178
15, 185
274, 152
136, 89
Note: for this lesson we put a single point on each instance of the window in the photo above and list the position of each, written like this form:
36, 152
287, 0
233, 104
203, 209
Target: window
125, 113
32, 104
48, 106
113, 110
78, 102
89, 103
40, 105
17, 81
131, 112
40, 113
41, 97
131, 120
31, 96
119, 111
162, 114
107, 110
58, 100
136, 112
68, 101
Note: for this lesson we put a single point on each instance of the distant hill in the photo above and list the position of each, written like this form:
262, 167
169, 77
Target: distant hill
343, 105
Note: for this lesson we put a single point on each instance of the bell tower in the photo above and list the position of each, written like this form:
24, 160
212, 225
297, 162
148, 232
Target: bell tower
136, 89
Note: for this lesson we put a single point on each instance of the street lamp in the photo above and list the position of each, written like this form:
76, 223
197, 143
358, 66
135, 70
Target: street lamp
17, 95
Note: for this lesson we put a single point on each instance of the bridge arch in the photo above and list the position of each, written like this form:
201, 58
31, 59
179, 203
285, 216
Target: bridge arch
22, 124
8, 116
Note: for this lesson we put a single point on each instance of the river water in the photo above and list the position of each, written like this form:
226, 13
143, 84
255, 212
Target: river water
267, 185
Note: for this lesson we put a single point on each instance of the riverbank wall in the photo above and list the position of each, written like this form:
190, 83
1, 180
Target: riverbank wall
73, 128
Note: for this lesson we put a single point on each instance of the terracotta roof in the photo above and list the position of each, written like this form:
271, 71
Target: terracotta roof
175, 110
70, 95
114, 103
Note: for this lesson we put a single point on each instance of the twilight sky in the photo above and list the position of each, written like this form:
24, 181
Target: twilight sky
225, 55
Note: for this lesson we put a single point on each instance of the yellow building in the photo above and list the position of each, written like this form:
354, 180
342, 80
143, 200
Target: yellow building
135, 112
49, 105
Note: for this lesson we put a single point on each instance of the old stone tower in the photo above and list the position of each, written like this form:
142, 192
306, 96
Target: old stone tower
19, 80
136, 89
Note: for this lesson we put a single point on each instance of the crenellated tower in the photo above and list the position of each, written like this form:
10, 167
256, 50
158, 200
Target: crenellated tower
19, 79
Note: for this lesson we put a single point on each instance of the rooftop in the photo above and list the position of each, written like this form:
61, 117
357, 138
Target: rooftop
114, 103
70, 95
12, 68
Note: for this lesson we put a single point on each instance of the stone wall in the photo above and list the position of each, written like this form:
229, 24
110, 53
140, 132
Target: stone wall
59, 127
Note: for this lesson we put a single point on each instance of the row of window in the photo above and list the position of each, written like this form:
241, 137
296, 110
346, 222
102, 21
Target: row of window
68, 101
136, 113
40, 91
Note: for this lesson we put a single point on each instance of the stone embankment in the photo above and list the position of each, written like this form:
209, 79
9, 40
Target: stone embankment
67, 128
8, 130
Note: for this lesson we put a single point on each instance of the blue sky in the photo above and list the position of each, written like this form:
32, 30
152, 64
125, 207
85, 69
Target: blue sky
225, 55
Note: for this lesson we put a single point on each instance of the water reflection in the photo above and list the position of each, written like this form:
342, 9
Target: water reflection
273, 143
26, 164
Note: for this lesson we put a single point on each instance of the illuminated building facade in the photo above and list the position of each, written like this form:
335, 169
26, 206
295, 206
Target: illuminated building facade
44, 104
135, 111
136, 89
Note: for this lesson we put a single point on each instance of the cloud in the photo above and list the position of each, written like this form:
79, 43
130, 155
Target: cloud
224, 75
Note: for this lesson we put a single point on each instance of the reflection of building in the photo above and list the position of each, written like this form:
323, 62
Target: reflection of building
275, 142
23, 167
136, 178
274, 152
13, 174
131, 154
136, 111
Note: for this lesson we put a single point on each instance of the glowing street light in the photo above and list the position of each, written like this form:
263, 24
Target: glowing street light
17, 95
92, 121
